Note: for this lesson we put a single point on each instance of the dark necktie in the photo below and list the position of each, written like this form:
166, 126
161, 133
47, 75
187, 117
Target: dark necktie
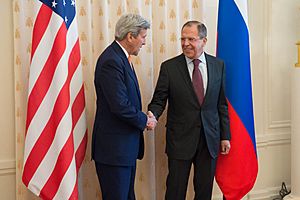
131, 65
197, 81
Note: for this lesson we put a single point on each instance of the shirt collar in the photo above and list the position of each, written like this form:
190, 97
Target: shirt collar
126, 53
201, 58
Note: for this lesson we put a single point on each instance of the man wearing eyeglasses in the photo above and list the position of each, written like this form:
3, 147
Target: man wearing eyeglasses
193, 84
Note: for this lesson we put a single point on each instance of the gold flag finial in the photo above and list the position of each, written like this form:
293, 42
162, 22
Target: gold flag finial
298, 63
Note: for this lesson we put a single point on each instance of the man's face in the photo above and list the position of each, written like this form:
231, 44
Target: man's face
192, 45
136, 43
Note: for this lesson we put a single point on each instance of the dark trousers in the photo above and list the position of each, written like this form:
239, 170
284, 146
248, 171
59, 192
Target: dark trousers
116, 182
204, 171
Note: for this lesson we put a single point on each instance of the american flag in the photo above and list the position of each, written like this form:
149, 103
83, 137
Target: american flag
56, 133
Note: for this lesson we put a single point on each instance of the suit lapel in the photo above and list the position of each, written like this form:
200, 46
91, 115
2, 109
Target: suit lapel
128, 68
130, 71
210, 64
132, 74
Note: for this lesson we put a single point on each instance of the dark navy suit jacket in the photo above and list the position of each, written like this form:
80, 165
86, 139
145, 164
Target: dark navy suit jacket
119, 121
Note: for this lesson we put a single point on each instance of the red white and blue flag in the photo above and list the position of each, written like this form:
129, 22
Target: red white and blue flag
56, 133
236, 172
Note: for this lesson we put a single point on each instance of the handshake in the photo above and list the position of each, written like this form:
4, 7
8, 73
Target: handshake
151, 121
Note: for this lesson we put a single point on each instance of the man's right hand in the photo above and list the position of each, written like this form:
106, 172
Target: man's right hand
151, 121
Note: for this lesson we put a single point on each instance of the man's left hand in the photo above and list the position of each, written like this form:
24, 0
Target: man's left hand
225, 147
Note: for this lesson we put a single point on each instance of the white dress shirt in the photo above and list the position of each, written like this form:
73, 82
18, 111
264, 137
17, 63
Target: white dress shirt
202, 68
126, 53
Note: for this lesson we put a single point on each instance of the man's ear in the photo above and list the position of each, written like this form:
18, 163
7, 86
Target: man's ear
129, 36
204, 41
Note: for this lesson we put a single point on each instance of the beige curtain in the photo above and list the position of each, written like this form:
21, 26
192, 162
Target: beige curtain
96, 22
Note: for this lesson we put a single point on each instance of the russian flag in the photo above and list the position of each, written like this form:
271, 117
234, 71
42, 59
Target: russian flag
236, 172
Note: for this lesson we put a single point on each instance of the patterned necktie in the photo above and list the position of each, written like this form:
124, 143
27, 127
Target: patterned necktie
197, 81
129, 59
130, 62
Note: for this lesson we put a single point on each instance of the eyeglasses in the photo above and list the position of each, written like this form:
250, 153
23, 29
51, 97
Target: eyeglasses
189, 39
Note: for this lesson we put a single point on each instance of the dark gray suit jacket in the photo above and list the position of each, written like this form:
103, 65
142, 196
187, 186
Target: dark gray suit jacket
185, 116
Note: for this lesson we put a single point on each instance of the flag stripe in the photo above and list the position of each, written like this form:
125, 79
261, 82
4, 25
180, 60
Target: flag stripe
43, 50
48, 163
242, 8
68, 183
74, 194
55, 126
77, 107
44, 142
231, 23
81, 144
43, 82
44, 112
79, 153
239, 177
40, 27
62, 164
79, 159
66, 154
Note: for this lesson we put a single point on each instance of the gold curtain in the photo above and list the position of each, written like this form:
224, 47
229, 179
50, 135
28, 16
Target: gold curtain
96, 22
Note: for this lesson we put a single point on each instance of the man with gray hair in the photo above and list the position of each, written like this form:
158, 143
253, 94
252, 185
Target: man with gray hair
119, 122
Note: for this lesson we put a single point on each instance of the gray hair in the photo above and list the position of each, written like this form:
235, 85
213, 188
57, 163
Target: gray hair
202, 31
130, 23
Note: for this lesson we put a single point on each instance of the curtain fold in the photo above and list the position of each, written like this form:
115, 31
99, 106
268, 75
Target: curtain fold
96, 22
